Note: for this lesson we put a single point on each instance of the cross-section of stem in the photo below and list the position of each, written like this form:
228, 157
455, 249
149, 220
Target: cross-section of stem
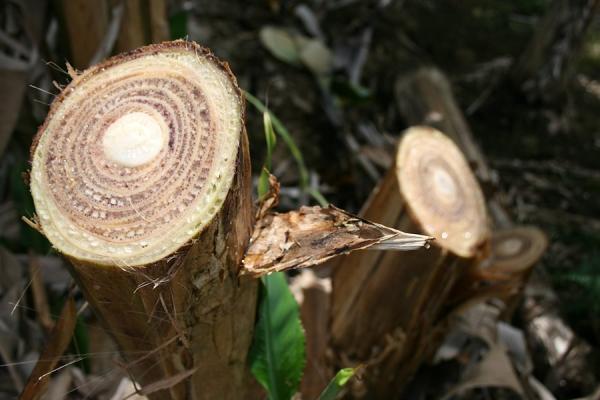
141, 177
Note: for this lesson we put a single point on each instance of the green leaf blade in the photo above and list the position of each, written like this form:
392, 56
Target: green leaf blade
263, 183
276, 126
284, 134
277, 357
335, 386
270, 138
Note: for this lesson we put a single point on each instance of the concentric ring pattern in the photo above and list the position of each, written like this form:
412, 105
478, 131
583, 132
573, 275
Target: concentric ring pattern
94, 208
441, 190
516, 249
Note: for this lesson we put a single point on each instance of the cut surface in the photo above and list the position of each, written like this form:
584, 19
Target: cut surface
133, 140
137, 154
517, 249
441, 191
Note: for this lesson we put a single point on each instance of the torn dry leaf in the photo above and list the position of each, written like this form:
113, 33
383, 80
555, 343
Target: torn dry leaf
312, 235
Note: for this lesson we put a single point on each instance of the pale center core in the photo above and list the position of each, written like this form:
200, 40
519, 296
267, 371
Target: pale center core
444, 184
510, 247
133, 140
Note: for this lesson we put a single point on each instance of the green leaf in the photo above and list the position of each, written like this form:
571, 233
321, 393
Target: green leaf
277, 356
334, 387
318, 197
263, 183
285, 135
280, 129
270, 138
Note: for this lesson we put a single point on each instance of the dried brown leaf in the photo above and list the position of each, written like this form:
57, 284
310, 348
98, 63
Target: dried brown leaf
312, 235
495, 369
166, 383
49, 358
11, 287
12, 90
127, 390
40, 300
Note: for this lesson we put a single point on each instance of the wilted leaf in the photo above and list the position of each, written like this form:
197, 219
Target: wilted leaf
296, 49
277, 356
280, 44
316, 57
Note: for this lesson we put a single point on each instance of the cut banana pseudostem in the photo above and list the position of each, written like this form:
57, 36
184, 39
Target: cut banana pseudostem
386, 307
141, 178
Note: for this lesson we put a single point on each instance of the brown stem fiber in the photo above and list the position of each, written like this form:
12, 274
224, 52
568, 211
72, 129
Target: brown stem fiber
141, 178
386, 305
